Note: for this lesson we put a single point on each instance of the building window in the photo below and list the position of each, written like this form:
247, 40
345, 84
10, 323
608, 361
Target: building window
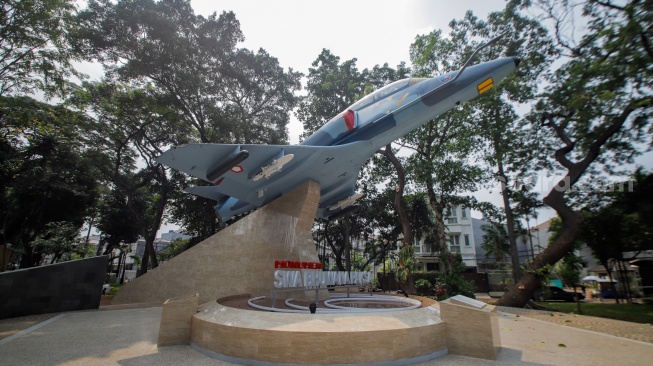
463, 212
466, 240
454, 243
432, 267
451, 216
417, 245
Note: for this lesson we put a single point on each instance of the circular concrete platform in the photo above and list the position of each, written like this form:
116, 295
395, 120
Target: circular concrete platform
264, 338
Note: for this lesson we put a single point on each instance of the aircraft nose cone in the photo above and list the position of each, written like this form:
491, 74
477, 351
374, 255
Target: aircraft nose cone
516, 60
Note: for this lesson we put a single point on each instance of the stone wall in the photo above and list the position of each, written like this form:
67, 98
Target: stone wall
67, 286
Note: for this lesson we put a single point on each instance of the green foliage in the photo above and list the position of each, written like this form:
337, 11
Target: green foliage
175, 77
175, 248
58, 239
226, 94
47, 172
495, 242
622, 222
453, 282
637, 313
597, 99
405, 263
34, 52
333, 85
423, 286
116, 222
425, 282
569, 269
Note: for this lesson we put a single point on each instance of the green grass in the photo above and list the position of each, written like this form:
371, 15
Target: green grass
637, 313
114, 288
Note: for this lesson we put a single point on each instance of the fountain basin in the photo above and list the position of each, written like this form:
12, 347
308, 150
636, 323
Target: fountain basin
264, 338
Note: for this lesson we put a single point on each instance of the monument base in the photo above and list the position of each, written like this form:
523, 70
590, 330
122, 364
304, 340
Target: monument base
239, 258
265, 338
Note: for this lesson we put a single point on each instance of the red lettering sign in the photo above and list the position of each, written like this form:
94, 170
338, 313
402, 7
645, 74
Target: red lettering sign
297, 265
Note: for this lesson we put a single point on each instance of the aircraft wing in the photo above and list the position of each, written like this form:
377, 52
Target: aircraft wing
209, 192
335, 168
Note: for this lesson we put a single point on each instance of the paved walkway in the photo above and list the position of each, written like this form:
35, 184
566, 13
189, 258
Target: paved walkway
636, 331
128, 337
9, 327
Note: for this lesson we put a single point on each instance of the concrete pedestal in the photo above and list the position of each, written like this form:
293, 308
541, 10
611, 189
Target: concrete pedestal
176, 318
239, 259
472, 327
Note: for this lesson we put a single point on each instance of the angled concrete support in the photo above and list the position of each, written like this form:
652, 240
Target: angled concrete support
176, 317
472, 327
239, 259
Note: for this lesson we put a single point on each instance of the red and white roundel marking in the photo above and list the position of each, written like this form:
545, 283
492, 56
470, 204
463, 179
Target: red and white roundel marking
237, 169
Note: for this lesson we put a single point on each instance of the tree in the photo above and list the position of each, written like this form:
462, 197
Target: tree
175, 248
569, 269
441, 147
527, 205
48, 173
195, 214
134, 125
116, 223
34, 50
495, 242
597, 107
494, 137
621, 225
331, 87
376, 78
226, 94
219, 93
58, 238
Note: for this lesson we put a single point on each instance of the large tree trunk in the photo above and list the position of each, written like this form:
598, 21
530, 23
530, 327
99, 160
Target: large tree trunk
150, 244
145, 262
518, 295
438, 208
337, 253
510, 222
400, 207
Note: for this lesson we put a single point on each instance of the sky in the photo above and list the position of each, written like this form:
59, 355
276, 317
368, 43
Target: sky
373, 32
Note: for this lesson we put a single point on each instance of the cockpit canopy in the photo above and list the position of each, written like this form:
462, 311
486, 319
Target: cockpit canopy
347, 121
385, 92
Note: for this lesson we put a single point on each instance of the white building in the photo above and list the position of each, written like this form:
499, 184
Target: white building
160, 245
460, 236
173, 235
465, 236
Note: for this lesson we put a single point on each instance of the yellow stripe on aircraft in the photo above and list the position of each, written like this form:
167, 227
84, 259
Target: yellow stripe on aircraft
402, 99
485, 85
